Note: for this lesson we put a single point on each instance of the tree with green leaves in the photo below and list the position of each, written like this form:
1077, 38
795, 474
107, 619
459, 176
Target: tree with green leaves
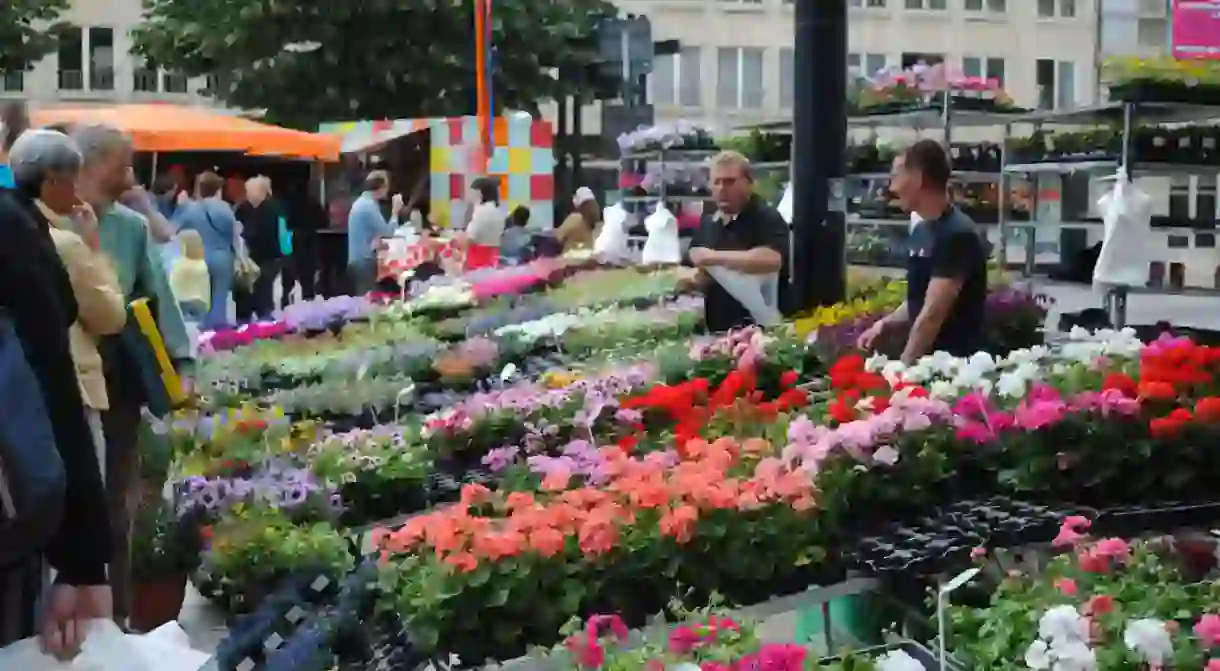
307, 61
28, 31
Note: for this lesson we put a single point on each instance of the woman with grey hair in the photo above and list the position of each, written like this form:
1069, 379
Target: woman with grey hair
38, 296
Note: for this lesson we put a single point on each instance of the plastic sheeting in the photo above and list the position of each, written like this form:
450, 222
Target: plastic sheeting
663, 244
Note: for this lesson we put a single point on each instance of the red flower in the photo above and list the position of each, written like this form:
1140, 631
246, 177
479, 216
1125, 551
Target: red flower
1099, 604
1121, 382
789, 378
1181, 415
842, 409
1154, 390
628, 443
1164, 428
844, 372
1208, 410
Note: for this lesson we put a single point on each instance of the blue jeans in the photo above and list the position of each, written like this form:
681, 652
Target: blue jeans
220, 270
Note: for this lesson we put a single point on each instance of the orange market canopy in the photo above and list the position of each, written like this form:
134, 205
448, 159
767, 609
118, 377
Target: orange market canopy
170, 128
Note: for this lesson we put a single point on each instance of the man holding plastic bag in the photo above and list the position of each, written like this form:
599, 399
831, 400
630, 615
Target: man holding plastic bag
739, 252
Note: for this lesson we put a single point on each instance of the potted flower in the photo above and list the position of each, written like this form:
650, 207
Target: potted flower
165, 550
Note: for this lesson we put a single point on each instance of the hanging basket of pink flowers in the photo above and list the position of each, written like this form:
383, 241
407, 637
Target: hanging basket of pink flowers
923, 87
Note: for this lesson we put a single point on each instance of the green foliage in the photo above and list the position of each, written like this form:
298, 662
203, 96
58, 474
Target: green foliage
163, 545
28, 30
377, 59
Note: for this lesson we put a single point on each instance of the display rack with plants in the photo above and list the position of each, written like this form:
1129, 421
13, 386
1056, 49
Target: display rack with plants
1163, 80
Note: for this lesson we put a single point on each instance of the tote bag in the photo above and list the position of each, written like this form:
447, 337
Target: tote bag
142, 341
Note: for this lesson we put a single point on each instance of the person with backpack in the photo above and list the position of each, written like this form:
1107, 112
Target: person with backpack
54, 503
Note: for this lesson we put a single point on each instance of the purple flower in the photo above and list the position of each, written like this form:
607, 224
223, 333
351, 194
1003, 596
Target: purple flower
500, 458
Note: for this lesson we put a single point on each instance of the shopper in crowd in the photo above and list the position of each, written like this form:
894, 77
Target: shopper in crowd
165, 194
306, 216
46, 165
579, 229
485, 231
213, 220
189, 278
14, 120
260, 229
745, 235
137, 198
366, 226
515, 243
105, 176
947, 269
36, 295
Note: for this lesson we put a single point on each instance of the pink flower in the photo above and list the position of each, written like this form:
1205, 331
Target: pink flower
1088, 560
1067, 537
1066, 586
1115, 549
1078, 523
586, 652
683, 639
776, 657
1213, 665
599, 624
1032, 416
1208, 631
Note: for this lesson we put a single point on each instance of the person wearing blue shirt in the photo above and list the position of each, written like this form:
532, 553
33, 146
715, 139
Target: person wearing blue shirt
365, 227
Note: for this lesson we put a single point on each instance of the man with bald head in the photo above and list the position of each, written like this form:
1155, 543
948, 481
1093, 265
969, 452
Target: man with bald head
124, 236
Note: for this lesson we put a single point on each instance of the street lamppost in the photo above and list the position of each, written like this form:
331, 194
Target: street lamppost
818, 267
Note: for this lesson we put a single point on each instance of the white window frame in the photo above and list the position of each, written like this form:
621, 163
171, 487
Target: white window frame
739, 104
678, 60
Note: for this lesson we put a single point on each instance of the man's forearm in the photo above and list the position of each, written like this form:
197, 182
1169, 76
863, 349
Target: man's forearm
901, 315
757, 261
923, 334
160, 228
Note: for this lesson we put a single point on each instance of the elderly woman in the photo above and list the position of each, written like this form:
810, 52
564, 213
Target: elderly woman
260, 228
63, 315
45, 166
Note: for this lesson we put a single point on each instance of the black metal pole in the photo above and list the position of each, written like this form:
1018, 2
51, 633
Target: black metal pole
819, 155
578, 144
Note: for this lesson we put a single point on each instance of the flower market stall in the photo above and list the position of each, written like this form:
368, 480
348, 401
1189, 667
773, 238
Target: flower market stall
528, 472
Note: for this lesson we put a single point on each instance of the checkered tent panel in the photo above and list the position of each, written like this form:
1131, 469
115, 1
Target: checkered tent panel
523, 161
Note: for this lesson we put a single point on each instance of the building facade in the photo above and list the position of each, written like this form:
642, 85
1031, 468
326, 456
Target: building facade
736, 64
94, 64
1135, 27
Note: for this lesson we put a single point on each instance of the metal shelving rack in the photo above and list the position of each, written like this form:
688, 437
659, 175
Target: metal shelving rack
944, 119
1127, 113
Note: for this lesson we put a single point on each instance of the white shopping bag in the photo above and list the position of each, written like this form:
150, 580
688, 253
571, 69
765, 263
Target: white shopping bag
785, 204
1127, 214
663, 244
612, 241
109, 649
759, 294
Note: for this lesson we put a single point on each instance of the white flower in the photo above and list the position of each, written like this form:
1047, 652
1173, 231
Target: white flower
943, 389
1011, 384
1149, 639
1038, 655
899, 660
877, 363
892, 371
1063, 623
886, 455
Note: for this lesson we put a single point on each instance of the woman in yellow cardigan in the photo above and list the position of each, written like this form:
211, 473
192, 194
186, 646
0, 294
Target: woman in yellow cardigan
50, 177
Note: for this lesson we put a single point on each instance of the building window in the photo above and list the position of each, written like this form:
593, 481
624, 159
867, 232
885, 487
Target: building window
998, 6
739, 75
676, 78
13, 82
787, 75
984, 67
1049, 9
926, 4
1056, 82
101, 58
872, 4
144, 78
874, 63
172, 83
71, 59
910, 60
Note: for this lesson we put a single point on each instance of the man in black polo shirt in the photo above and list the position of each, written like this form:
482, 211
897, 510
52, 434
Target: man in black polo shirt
947, 269
745, 235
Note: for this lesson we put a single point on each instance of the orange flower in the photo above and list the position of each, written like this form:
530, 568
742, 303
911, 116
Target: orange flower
464, 562
546, 541
556, 481
497, 545
475, 494
519, 500
679, 523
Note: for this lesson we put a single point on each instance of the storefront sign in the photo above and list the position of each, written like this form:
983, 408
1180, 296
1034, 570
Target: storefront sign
1196, 29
